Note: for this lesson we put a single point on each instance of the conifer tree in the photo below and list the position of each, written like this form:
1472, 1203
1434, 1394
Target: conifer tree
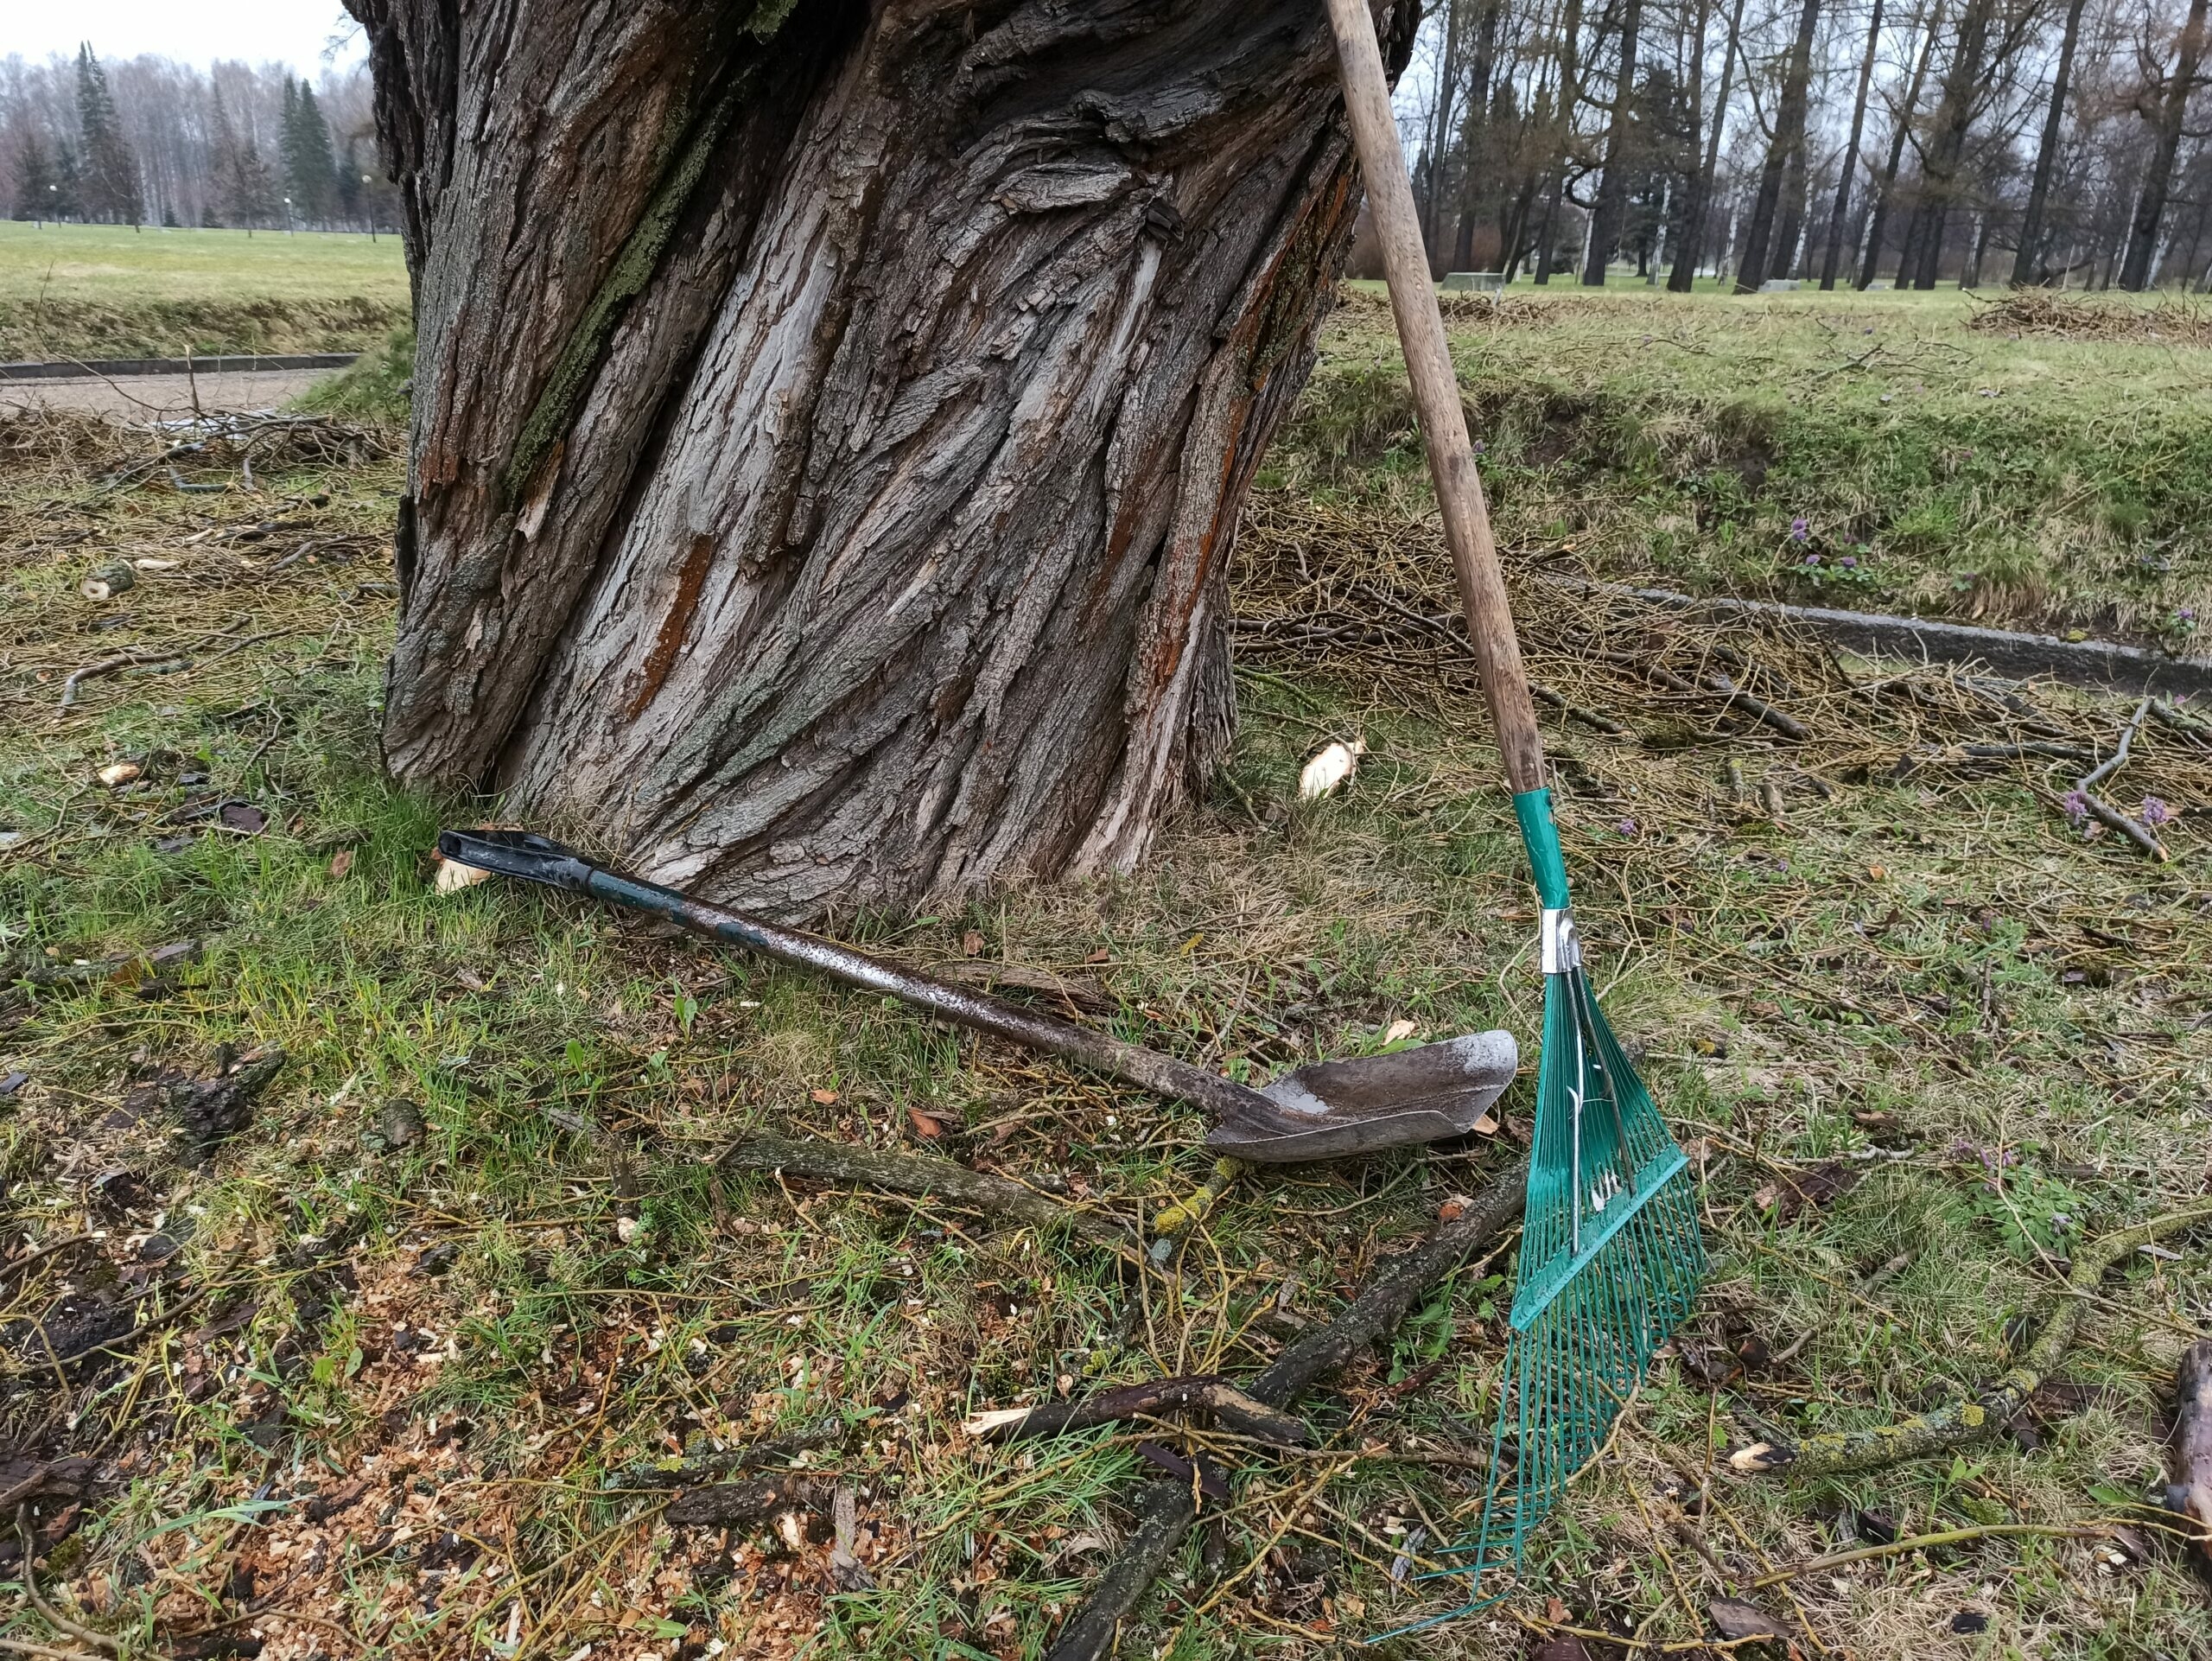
310, 170
108, 189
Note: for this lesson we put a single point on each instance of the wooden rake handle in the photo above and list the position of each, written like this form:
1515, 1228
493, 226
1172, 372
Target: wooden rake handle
1436, 395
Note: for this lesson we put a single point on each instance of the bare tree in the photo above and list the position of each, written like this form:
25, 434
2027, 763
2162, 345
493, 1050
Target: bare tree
1788, 139
1691, 249
1848, 169
1612, 185
1900, 130
2166, 126
2028, 257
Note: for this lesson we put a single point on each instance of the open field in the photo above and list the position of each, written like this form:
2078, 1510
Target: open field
2039, 461
382, 1362
111, 291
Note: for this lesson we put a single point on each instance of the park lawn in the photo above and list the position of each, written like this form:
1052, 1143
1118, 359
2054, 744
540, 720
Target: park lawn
94, 291
2038, 462
1923, 1037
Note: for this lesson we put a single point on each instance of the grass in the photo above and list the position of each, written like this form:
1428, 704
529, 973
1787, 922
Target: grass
1976, 1036
1945, 453
111, 291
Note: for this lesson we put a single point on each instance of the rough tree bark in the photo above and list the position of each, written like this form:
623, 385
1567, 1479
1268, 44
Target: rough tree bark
2150, 206
1789, 136
1475, 151
830, 419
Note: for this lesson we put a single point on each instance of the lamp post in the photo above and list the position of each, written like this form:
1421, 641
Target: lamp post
370, 202
289, 229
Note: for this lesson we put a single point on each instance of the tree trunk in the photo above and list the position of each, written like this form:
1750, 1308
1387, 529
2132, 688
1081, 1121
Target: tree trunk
1700, 206
1694, 99
1612, 185
1781, 256
1885, 196
2158, 182
1439, 138
1570, 99
2027, 260
1971, 277
1849, 165
1789, 136
1474, 144
1939, 171
830, 423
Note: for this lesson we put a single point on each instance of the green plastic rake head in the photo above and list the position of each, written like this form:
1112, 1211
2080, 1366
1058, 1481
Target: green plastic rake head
1610, 1252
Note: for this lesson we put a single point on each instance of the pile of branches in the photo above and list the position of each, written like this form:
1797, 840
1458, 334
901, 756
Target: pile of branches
1371, 601
2040, 311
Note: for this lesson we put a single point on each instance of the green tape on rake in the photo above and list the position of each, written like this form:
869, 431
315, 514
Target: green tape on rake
1610, 1252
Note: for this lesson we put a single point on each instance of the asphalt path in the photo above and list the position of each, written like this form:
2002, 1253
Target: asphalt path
153, 397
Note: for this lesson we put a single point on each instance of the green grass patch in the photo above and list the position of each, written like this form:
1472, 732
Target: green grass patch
467, 1272
113, 291
1876, 451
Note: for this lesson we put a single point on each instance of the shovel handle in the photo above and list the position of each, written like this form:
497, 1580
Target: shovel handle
538, 859
1436, 395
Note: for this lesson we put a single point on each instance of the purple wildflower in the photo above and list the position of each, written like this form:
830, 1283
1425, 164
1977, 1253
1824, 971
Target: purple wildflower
1627, 827
2187, 614
1849, 561
2155, 811
1799, 530
1812, 559
2076, 803
1480, 447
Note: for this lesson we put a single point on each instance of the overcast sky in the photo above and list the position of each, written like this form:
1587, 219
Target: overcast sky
296, 32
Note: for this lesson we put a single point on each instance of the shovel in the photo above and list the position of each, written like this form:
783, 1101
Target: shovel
1328, 1110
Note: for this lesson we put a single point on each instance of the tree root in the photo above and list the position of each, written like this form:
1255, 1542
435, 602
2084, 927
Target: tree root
1165, 1510
920, 1174
2189, 1492
1849, 1453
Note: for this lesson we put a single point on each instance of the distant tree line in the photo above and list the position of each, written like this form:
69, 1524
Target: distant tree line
1836, 141
149, 141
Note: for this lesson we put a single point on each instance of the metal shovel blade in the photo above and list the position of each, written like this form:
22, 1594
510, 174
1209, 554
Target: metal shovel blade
1327, 1110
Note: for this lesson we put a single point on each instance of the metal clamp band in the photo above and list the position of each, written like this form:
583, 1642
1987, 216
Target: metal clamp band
1563, 946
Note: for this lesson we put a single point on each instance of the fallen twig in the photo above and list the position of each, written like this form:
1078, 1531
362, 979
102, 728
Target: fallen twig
153, 665
712, 1466
1842, 1453
54, 1617
1165, 1510
920, 1174
1948, 1537
2084, 799
1237, 1411
1757, 707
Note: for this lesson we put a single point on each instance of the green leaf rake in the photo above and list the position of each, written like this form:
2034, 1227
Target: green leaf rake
1611, 1253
